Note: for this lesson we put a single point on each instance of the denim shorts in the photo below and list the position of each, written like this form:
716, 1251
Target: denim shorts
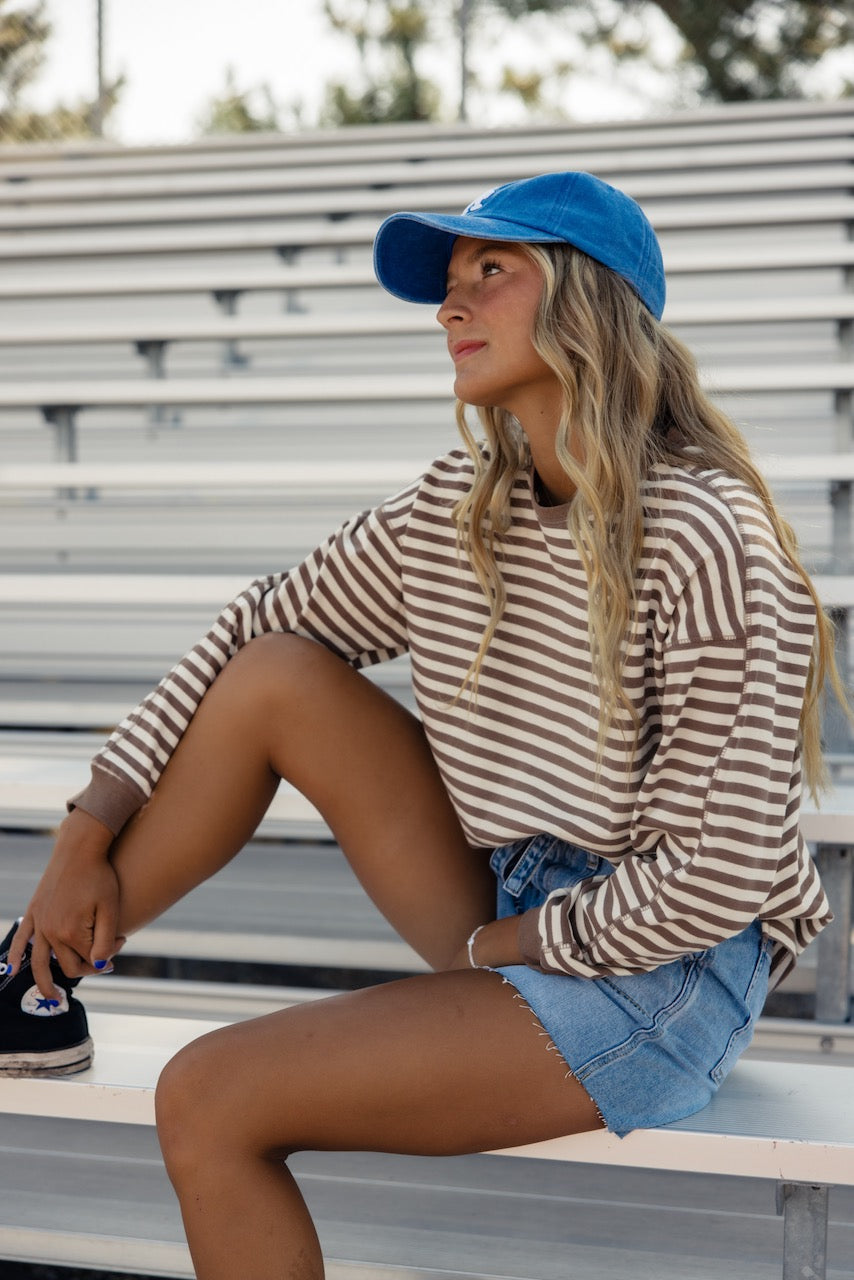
651, 1047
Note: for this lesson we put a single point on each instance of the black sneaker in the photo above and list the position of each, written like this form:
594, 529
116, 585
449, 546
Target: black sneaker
40, 1036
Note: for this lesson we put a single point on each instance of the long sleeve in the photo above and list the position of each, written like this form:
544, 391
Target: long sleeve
719, 802
346, 595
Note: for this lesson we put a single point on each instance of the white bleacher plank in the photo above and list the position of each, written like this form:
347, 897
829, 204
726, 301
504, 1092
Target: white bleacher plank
323, 477
737, 257
141, 283
835, 590
757, 1124
299, 195
783, 1121
142, 590
246, 234
300, 389
405, 320
389, 955
701, 127
832, 820
414, 320
121, 1080
732, 258
349, 388
806, 163
808, 468
352, 478
98, 1250
238, 1001
76, 705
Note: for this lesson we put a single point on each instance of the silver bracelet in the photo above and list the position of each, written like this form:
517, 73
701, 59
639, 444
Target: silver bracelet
470, 946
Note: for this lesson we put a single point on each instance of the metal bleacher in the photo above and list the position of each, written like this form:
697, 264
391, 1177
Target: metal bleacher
198, 380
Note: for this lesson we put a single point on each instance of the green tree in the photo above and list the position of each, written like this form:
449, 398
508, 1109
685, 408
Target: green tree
24, 31
240, 111
722, 50
750, 49
743, 49
388, 86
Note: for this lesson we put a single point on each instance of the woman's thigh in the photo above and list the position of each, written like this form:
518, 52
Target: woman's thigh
438, 1064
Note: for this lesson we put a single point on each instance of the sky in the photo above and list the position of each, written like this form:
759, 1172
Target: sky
174, 55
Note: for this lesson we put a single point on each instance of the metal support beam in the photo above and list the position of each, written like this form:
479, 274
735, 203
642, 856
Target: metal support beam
833, 977
464, 17
154, 352
804, 1210
232, 356
97, 114
63, 420
289, 253
836, 726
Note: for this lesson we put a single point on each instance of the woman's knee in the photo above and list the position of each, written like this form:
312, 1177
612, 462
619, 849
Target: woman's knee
277, 665
206, 1107
270, 684
188, 1102
292, 678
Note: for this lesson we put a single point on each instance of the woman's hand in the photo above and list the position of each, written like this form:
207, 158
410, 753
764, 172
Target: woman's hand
495, 944
74, 910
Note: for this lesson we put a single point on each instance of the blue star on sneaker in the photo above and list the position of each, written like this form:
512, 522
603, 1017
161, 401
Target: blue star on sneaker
39, 1006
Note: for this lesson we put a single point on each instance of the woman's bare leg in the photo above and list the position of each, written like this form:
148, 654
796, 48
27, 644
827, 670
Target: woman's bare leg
434, 1065
287, 707
443, 1063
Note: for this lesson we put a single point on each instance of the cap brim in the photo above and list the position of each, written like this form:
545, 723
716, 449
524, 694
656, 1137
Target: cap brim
412, 250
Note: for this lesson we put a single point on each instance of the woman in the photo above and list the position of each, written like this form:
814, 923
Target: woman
617, 659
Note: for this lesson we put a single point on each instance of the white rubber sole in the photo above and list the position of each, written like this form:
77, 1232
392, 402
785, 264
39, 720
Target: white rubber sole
59, 1062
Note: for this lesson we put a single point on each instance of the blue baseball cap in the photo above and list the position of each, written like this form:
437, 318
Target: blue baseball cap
412, 250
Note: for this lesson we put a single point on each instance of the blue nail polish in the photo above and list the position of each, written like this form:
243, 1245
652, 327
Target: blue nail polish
4, 969
100, 964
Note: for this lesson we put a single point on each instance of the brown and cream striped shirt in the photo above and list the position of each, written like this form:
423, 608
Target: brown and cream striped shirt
698, 812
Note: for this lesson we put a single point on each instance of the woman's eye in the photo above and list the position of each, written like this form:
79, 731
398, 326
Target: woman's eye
489, 267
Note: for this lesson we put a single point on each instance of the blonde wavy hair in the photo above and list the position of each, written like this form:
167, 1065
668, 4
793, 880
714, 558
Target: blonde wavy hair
632, 399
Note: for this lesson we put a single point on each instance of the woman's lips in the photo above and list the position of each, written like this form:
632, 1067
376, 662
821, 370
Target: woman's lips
460, 350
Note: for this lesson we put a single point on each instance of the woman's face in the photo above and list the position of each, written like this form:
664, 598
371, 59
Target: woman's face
493, 293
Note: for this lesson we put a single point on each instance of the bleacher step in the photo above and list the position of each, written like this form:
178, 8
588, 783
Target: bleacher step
403, 1218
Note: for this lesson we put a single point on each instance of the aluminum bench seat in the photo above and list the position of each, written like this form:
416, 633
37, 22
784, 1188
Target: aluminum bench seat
788, 1123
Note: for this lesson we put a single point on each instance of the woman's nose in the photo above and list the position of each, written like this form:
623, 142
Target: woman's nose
455, 307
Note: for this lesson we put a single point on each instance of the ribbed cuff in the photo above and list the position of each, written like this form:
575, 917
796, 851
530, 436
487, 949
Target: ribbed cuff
113, 801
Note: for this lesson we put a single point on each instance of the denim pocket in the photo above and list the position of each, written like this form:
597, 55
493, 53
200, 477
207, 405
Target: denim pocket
751, 1005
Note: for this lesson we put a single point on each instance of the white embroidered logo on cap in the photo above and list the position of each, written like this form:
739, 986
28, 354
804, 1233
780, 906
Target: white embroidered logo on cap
480, 201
